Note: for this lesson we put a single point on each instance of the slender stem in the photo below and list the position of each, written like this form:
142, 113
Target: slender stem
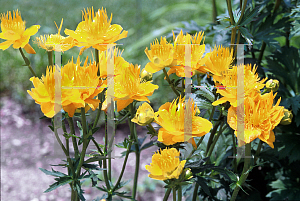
104, 164
100, 97
97, 61
234, 151
215, 14
232, 40
215, 140
232, 22
59, 141
85, 141
179, 193
74, 141
27, 62
123, 118
258, 151
262, 49
167, 194
198, 144
198, 79
245, 172
123, 168
137, 151
169, 81
195, 192
237, 42
50, 58
174, 194
212, 134
183, 87
243, 11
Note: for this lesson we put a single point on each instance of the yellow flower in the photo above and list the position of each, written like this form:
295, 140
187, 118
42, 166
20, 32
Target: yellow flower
287, 118
171, 117
55, 42
197, 54
220, 60
228, 89
166, 165
128, 86
96, 30
119, 62
144, 115
160, 55
260, 117
79, 86
14, 32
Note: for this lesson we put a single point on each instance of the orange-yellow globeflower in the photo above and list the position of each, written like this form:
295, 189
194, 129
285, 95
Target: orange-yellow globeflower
171, 117
166, 165
15, 33
260, 118
96, 30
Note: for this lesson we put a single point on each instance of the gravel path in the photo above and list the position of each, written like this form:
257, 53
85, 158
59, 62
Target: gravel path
25, 147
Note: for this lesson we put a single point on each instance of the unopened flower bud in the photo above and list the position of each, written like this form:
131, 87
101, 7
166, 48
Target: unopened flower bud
144, 115
197, 111
287, 118
145, 75
272, 85
188, 174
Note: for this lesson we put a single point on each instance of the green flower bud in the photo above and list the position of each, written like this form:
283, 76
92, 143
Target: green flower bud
287, 118
188, 174
146, 76
272, 85
144, 115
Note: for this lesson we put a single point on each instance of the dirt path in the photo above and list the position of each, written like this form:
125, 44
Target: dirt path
26, 146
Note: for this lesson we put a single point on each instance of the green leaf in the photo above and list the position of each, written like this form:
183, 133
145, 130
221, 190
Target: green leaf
247, 35
79, 191
249, 17
51, 127
61, 181
203, 183
227, 173
94, 130
53, 173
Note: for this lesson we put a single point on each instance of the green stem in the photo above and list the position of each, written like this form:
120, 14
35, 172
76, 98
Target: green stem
169, 81
100, 96
215, 140
50, 58
97, 61
232, 22
198, 144
243, 11
167, 194
104, 164
27, 62
195, 192
174, 194
74, 141
212, 134
123, 168
258, 151
262, 49
123, 118
234, 151
245, 172
215, 14
179, 193
85, 141
137, 151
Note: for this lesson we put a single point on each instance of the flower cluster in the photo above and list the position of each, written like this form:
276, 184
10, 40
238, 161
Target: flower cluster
79, 86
